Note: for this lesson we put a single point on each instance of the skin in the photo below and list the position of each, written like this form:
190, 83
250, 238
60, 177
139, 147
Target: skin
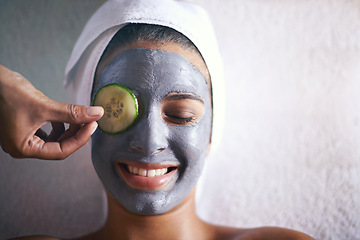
172, 129
181, 222
24, 110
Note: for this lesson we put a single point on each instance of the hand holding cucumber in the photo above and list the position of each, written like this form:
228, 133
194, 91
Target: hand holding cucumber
24, 110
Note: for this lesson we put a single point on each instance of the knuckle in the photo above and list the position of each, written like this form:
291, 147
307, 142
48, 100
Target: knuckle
29, 147
75, 111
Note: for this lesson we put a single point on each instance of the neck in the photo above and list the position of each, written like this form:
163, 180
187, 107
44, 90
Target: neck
179, 223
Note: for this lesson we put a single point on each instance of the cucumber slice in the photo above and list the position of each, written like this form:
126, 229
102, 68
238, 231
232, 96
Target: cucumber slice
120, 105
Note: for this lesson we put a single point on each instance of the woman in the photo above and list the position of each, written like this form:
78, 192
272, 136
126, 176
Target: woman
175, 80
172, 83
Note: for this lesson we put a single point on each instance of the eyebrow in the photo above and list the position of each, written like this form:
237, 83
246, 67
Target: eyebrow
180, 96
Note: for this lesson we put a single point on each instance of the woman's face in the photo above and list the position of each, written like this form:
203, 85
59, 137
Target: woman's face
153, 166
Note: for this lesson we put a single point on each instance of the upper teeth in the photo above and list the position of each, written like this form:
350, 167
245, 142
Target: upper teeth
147, 173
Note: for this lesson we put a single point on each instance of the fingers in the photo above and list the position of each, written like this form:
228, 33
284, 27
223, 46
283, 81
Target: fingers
58, 129
71, 144
24, 110
73, 140
74, 114
71, 131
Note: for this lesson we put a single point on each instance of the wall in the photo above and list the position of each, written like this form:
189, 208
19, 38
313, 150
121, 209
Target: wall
61, 198
292, 132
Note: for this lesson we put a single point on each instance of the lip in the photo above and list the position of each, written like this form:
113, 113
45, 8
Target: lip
146, 183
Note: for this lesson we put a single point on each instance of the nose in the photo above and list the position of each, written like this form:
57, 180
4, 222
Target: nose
150, 135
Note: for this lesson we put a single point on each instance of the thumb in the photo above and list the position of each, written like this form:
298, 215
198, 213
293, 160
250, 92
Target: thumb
74, 114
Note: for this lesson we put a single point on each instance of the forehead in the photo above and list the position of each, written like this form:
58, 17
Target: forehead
156, 70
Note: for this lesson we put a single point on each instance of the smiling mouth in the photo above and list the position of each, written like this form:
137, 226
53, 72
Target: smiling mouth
146, 176
149, 172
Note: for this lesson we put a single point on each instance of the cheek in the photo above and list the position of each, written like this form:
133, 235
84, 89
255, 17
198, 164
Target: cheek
100, 151
102, 144
107, 146
190, 143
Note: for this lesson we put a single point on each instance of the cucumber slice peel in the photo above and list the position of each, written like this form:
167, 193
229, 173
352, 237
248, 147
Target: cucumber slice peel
120, 105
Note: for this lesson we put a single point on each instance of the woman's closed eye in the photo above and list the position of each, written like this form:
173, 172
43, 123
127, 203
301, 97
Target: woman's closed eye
182, 109
180, 116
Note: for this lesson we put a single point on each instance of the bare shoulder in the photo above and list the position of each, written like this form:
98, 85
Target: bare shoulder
270, 233
262, 233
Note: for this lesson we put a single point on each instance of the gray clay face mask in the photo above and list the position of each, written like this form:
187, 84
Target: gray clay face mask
164, 145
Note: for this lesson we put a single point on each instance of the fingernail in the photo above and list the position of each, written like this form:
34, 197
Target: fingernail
94, 111
94, 128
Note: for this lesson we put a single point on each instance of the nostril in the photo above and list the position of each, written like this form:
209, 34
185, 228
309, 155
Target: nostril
135, 145
137, 148
148, 148
158, 150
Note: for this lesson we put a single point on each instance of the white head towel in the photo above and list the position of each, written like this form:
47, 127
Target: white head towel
187, 18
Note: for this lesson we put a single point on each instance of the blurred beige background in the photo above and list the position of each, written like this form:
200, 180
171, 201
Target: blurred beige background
290, 152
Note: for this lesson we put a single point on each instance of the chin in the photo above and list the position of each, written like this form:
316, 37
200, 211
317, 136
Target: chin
151, 203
